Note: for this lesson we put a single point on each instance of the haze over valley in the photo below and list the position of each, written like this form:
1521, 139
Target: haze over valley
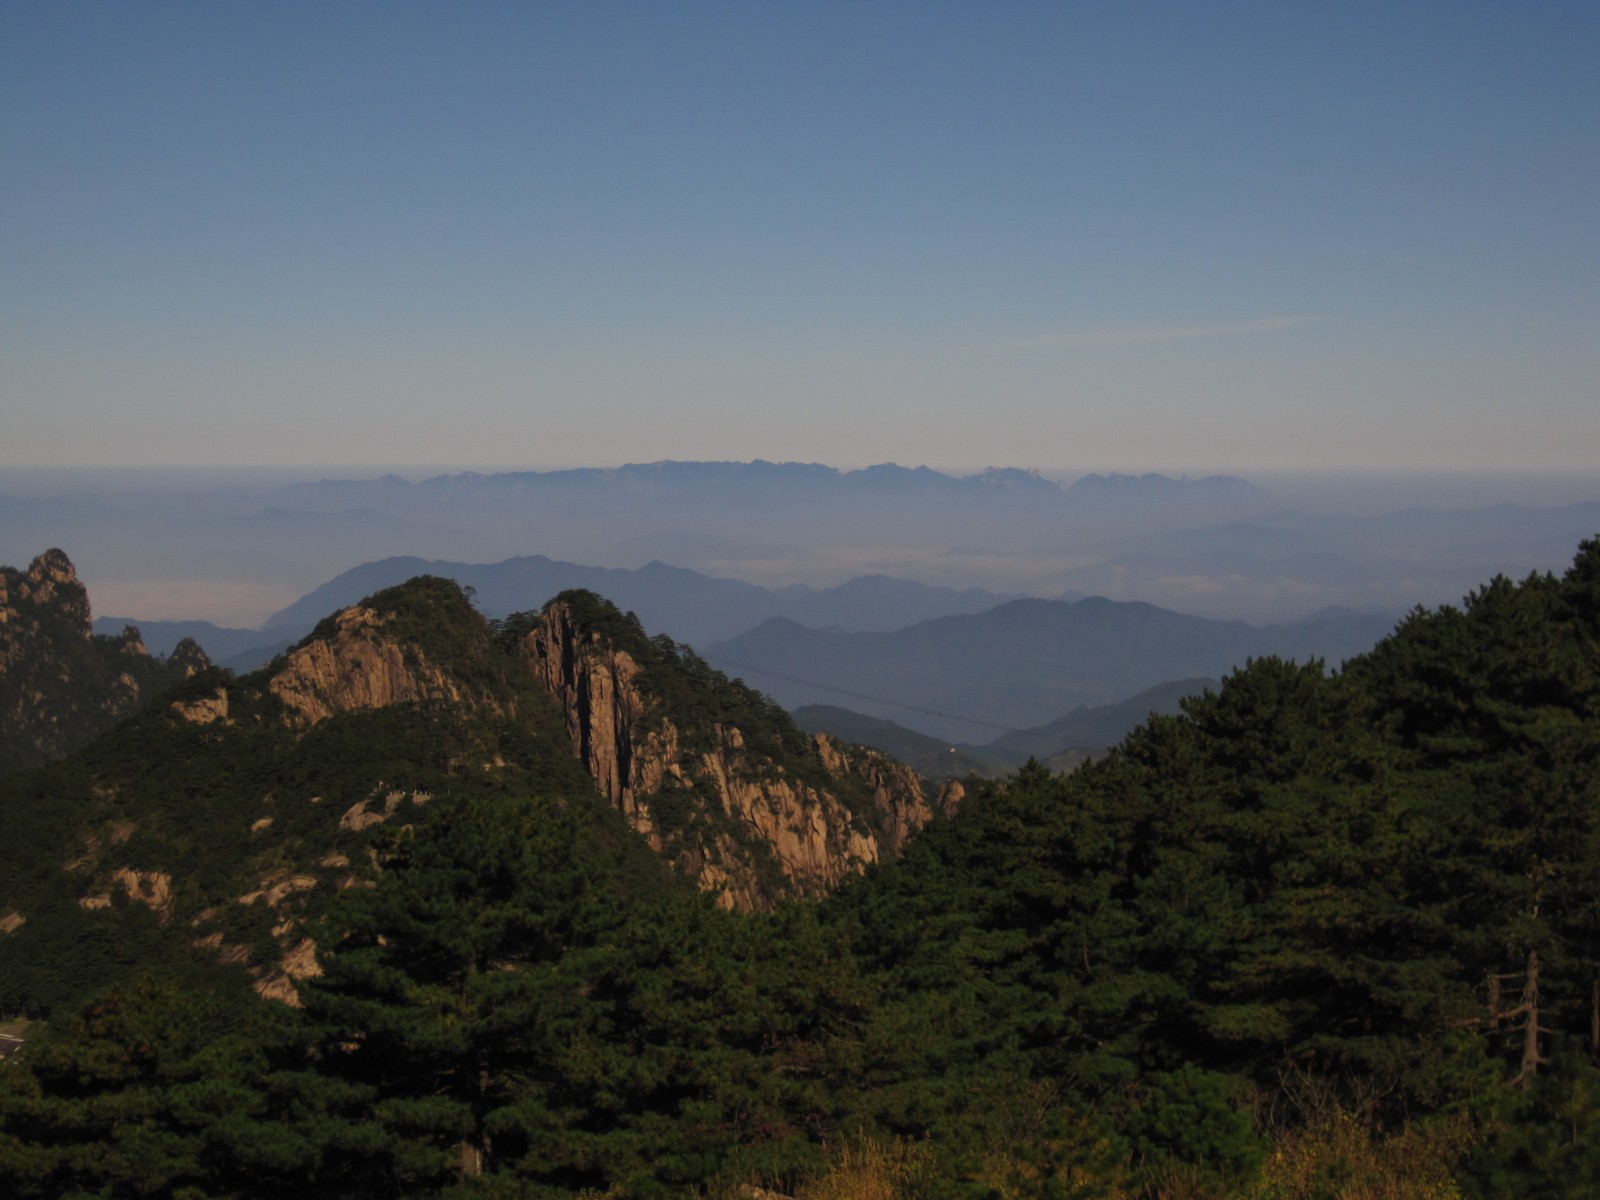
235, 552
893, 592
825, 601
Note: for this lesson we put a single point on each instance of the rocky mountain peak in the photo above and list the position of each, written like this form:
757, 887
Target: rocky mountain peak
50, 582
188, 658
362, 665
60, 685
714, 775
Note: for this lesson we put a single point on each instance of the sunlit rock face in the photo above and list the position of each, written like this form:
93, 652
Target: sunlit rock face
361, 666
756, 826
739, 820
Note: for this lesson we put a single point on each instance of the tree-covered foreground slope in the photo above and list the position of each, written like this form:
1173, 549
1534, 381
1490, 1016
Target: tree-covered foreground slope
1378, 891
1319, 936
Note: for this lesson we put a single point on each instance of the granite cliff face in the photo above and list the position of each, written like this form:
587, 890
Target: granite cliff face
713, 776
757, 818
604, 711
60, 685
360, 664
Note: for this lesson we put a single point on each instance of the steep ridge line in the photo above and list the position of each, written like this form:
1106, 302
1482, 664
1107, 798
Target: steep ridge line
750, 817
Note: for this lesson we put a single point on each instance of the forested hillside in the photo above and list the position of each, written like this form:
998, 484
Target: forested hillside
227, 817
1321, 935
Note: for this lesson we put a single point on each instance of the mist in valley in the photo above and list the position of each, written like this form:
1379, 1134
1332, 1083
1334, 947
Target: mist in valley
233, 548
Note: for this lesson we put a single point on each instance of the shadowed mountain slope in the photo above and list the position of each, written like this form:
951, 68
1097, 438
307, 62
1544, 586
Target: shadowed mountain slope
60, 683
930, 757
1099, 726
1088, 728
1020, 664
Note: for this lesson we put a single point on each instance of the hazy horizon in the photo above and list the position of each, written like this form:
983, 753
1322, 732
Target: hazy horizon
1347, 253
234, 546
21, 479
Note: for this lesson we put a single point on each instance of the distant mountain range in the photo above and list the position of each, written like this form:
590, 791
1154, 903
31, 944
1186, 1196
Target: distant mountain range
768, 479
1276, 561
1216, 546
687, 605
1095, 727
763, 509
1021, 664
1060, 745
1154, 547
952, 663
690, 606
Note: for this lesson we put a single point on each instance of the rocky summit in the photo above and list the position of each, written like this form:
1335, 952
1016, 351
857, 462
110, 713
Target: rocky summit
739, 798
61, 684
233, 810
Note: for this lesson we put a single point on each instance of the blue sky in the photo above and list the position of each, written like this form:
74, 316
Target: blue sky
1092, 235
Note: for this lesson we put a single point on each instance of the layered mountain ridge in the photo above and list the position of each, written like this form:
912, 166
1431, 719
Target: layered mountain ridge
1060, 745
235, 808
699, 478
1019, 665
689, 605
760, 814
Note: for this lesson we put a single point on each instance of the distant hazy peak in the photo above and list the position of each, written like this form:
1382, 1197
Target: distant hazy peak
1155, 484
674, 474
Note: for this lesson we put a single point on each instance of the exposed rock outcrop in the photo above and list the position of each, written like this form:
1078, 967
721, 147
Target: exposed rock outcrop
362, 665
298, 962
951, 793
295, 955
187, 658
204, 710
757, 826
153, 889
716, 778
375, 810
275, 892
604, 711
226, 952
51, 583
